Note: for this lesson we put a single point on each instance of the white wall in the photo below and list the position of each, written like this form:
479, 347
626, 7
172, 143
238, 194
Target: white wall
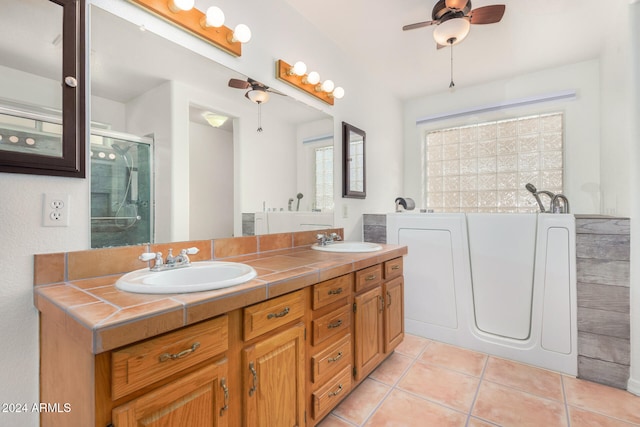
582, 124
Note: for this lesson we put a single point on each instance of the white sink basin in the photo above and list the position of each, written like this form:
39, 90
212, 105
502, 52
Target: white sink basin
199, 276
348, 247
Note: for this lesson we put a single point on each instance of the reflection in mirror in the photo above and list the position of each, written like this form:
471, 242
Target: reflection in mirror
353, 169
206, 174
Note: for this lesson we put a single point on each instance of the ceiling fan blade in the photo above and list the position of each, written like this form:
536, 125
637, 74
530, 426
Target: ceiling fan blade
418, 25
239, 84
456, 4
277, 92
487, 14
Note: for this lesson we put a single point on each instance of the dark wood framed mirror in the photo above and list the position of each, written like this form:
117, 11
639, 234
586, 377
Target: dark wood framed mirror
354, 175
42, 121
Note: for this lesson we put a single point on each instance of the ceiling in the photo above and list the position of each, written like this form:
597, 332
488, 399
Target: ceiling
533, 35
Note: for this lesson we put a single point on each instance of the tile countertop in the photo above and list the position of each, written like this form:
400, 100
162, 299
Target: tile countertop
103, 317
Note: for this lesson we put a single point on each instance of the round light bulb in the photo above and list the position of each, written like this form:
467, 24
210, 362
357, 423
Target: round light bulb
299, 68
179, 5
213, 18
327, 86
241, 34
338, 93
312, 78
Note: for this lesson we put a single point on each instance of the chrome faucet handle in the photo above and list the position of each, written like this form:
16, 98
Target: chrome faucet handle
191, 251
170, 258
148, 256
335, 236
321, 238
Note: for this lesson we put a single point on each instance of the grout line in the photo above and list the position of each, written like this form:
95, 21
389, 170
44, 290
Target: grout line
564, 397
475, 396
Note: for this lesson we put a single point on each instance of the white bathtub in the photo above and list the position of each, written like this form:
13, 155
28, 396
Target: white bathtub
503, 284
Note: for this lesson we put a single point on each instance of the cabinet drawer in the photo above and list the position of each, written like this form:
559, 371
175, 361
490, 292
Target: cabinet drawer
268, 315
368, 277
332, 359
332, 290
326, 397
140, 365
393, 268
331, 324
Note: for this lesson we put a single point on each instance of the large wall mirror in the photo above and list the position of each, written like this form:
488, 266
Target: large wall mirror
354, 176
42, 88
169, 132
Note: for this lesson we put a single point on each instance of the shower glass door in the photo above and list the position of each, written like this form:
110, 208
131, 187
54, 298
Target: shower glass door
121, 189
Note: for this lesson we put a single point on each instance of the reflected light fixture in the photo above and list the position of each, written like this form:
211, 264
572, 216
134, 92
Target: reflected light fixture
309, 83
215, 120
208, 26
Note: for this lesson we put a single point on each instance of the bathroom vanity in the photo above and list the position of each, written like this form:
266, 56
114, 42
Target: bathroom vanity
282, 349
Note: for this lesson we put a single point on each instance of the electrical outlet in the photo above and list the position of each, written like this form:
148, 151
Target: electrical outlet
55, 210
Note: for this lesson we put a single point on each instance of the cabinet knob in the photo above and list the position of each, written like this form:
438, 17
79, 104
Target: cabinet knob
71, 81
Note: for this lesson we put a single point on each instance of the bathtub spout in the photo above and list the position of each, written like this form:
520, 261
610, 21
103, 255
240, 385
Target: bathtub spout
556, 207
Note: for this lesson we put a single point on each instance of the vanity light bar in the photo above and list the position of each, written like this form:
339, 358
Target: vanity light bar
284, 72
222, 37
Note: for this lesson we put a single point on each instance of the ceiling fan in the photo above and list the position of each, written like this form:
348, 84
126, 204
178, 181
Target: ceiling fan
258, 93
457, 11
453, 19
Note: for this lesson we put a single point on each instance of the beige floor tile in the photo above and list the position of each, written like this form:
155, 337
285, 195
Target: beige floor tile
524, 377
453, 389
333, 421
390, 371
475, 422
362, 401
512, 408
456, 358
581, 418
412, 345
605, 400
401, 409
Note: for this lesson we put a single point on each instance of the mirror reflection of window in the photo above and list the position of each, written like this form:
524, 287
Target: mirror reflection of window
356, 154
324, 178
31, 102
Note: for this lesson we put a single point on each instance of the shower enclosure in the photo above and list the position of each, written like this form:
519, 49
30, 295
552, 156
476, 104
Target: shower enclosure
121, 189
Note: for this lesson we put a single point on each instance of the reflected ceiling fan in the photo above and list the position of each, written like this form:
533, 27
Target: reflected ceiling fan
258, 93
453, 19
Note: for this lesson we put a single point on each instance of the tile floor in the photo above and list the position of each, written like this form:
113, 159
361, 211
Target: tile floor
428, 383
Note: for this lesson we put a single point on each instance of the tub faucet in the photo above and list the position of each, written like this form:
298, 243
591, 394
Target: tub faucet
532, 189
556, 207
171, 262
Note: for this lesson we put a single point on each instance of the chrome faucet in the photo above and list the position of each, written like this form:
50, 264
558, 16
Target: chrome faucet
532, 189
323, 238
171, 262
556, 207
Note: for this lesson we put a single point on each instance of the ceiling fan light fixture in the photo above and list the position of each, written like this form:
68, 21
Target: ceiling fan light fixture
258, 95
452, 31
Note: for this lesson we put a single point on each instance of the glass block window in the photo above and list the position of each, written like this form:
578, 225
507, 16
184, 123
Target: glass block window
324, 178
356, 174
484, 167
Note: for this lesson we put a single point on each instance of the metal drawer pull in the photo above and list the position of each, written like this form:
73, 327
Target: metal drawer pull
335, 359
254, 387
370, 277
167, 356
281, 314
223, 384
381, 303
335, 324
389, 296
337, 392
335, 291
395, 267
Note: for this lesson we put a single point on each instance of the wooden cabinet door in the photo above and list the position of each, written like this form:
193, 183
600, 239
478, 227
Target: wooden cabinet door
393, 314
196, 399
369, 308
274, 381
